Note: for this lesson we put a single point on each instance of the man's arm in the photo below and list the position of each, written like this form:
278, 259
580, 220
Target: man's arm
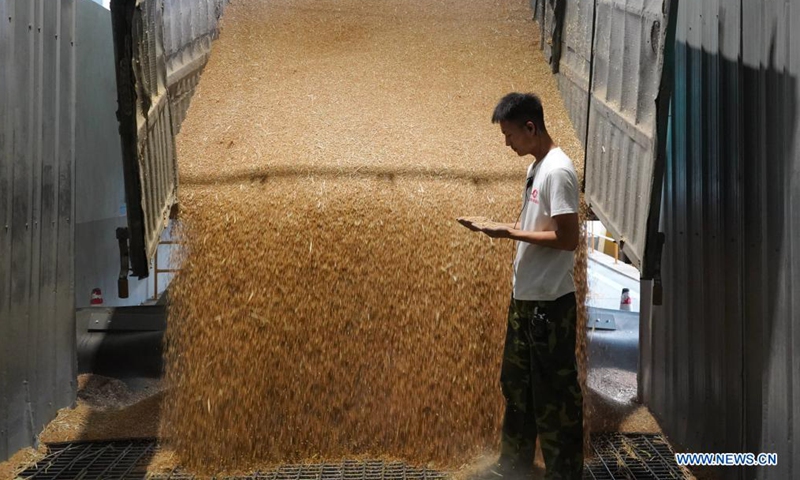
470, 222
566, 236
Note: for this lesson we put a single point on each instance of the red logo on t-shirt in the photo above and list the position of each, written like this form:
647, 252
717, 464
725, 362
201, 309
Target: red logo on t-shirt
535, 196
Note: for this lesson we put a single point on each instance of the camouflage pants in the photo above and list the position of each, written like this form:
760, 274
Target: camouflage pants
540, 383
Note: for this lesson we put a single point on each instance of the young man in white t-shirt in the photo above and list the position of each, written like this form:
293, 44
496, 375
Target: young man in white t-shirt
539, 376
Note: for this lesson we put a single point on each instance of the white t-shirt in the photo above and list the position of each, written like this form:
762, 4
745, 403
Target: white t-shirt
551, 189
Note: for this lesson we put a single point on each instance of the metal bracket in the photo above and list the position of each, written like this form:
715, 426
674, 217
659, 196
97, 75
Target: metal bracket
602, 321
124, 262
654, 271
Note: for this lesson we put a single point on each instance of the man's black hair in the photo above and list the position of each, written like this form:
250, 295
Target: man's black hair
520, 108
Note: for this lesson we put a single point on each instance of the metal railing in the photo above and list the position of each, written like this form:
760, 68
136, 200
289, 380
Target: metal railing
593, 236
157, 271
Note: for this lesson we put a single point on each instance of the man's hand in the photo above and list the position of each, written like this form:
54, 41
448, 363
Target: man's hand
490, 228
565, 237
470, 222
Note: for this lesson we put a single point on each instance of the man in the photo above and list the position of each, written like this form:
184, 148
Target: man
539, 375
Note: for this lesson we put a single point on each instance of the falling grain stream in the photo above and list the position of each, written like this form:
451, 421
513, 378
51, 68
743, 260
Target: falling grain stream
329, 305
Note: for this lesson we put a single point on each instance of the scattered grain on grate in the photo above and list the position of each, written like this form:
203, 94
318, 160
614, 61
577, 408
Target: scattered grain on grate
20, 461
86, 422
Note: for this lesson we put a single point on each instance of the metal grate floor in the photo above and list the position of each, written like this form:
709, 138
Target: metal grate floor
631, 456
347, 470
93, 460
124, 460
617, 457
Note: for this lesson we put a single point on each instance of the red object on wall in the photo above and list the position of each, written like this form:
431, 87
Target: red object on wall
97, 297
625, 300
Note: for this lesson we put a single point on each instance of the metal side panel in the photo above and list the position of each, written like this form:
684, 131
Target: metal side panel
190, 26
574, 69
621, 160
144, 113
547, 24
550, 15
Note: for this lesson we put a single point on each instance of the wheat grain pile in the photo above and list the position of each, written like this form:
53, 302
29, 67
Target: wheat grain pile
329, 305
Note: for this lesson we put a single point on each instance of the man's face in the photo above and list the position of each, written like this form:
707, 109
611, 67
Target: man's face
521, 138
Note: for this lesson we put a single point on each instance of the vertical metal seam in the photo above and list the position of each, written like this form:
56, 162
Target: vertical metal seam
72, 187
742, 266
57, 132
57, 233
788, 237
589, 96
4, 276
27, 245
37, 134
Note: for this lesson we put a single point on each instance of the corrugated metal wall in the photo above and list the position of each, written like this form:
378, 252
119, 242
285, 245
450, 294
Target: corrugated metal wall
771, 189
37, 132
719, 362
696, 361
724, 371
